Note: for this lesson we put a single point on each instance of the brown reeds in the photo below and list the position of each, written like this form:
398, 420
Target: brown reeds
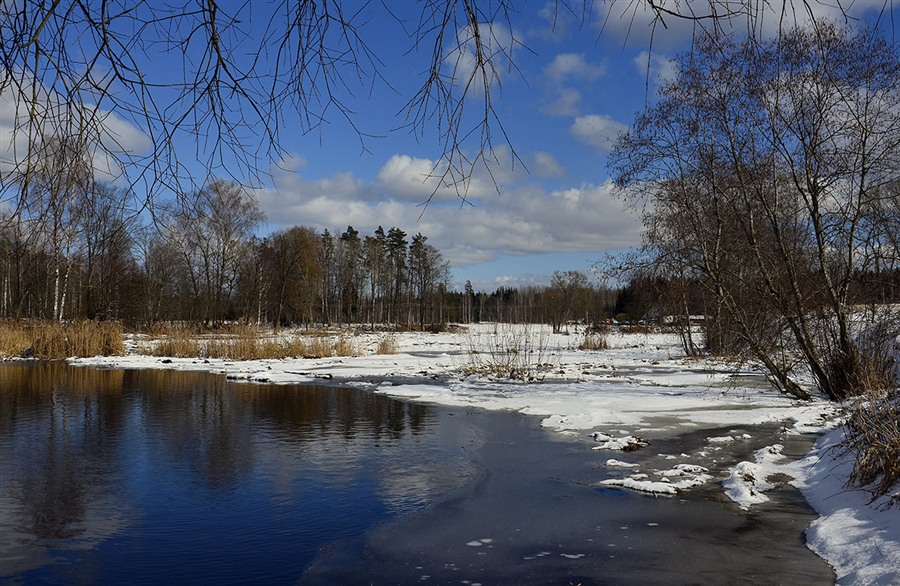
15, 340
872, 433
57, 341
244, 342
387, 345
176, 341
594, 341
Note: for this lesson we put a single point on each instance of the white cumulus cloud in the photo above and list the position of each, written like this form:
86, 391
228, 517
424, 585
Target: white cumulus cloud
597, 130
572, 66
524, 218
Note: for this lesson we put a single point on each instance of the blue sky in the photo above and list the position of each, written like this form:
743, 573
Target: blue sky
573, 91
573, 88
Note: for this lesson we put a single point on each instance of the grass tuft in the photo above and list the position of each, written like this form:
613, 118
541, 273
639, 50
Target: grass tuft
388, 345
872, 433
594, 341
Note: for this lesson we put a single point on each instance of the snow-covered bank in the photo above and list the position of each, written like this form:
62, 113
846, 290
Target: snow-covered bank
642, 387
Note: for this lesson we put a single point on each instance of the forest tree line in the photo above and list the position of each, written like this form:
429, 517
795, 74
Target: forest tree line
78, 248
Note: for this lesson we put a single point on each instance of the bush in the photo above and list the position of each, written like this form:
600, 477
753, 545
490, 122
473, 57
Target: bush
872, 427
512, 352
387, 345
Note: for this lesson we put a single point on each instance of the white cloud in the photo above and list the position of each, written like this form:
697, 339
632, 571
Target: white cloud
567, 68
415, 180
559, 19
572, 66
637, 23
656, 67
113, 136
545, 165
525, 219
461, 60
597, 130
567, 102
411, 179
292, 162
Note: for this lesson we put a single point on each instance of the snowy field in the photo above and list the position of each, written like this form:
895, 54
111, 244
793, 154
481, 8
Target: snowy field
642, 386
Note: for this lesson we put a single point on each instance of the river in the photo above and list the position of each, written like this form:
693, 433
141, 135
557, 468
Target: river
149, 477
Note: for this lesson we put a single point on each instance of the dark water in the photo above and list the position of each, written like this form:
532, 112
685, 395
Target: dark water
148, 477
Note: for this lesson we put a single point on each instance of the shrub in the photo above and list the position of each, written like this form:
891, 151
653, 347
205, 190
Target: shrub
513, 352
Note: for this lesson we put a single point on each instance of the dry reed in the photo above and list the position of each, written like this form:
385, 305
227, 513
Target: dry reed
244, 342
872, 433
14, 339
594, 341
57, 341
387, 345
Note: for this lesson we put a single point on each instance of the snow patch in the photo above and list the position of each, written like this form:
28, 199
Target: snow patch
626, 443
613, 463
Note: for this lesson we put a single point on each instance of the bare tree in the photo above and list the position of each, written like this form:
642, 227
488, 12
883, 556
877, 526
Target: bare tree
210, 229
428, 273
566, 295
292, 267
759, 168
57, 192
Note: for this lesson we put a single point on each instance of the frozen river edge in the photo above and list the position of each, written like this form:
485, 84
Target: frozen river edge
641, 387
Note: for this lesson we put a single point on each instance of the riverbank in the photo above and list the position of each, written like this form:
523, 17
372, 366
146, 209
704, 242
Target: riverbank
640, 387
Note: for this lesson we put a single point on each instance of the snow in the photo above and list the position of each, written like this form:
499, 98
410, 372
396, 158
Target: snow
642, 385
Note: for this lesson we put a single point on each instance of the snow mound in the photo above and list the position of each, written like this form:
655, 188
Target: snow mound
627, 443
749, 480
689, 476
642, 485
613, 463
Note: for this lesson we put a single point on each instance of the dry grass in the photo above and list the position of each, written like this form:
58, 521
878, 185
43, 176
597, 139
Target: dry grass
86, 338
15, 339
345, 345
56, 341
387, 345
245, 342
594, 341
177, 341
319, 347
872, 433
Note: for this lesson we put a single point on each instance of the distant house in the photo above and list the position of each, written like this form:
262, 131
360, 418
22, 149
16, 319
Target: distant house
673, 320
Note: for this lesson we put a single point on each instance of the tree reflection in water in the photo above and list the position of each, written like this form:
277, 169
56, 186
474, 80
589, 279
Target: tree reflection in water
79, 447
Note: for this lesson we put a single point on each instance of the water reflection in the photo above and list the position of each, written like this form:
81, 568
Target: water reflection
178, 460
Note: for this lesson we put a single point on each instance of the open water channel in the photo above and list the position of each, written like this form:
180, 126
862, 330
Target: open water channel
153, 477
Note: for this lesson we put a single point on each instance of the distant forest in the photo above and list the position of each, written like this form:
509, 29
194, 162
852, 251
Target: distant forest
77, 249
